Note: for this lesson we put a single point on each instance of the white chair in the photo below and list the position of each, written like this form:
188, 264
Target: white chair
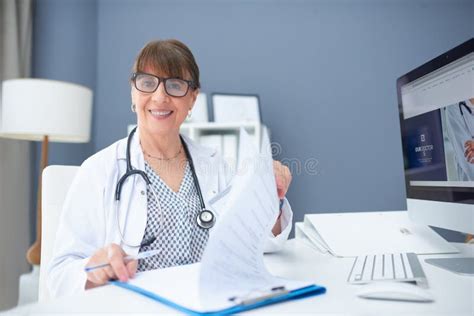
56, 183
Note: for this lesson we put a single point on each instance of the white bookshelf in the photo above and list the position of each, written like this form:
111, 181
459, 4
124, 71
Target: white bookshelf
196, 131
224, 137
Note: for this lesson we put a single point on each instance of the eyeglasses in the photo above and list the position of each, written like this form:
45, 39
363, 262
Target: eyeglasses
173, 86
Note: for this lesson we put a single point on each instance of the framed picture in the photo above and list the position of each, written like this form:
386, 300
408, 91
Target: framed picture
199, 113
236, 108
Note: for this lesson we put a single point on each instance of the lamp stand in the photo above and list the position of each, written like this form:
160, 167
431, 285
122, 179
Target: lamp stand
34, 253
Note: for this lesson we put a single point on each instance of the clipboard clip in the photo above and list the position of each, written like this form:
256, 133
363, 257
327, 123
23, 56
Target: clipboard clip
251, 297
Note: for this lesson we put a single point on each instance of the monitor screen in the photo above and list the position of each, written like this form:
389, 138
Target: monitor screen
436, 103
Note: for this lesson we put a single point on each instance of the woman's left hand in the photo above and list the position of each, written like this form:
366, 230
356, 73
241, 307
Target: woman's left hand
282, 177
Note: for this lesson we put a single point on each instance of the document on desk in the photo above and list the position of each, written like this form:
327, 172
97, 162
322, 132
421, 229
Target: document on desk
231, 276
363, 233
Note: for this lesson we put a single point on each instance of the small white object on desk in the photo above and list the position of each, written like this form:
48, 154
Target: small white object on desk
395, 291
372, 233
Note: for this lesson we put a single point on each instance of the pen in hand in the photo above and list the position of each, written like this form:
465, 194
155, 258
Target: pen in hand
141, 255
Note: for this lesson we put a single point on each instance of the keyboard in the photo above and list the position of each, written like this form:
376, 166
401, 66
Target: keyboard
387, 267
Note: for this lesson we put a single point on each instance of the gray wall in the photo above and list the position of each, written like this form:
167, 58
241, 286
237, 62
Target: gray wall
325, 72
64, 48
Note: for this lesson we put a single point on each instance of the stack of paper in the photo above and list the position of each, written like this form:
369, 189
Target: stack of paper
231, 276
362, 233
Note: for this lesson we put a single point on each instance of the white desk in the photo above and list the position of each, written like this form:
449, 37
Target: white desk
454, 294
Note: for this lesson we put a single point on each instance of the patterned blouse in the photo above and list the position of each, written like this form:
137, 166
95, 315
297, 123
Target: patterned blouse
180, 239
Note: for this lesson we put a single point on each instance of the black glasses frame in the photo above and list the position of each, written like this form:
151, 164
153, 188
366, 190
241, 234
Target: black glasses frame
160, 79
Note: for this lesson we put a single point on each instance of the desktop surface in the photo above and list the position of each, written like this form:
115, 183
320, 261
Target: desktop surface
453, 294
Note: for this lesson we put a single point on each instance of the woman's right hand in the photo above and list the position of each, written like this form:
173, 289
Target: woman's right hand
118, 269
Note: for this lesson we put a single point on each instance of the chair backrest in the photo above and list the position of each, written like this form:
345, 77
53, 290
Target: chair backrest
56, 183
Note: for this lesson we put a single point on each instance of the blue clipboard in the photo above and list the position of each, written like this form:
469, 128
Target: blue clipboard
245, 305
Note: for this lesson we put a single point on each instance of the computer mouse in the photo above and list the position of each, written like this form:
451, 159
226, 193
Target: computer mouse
395, 291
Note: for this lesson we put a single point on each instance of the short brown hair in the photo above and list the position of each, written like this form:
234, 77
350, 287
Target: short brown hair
169, 57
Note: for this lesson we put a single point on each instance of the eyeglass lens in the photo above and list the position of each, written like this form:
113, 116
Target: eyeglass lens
173, 87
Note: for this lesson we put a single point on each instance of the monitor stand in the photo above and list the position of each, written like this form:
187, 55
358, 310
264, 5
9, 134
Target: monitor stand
464, 266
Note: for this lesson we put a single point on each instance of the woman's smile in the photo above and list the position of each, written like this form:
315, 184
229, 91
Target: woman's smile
161, 114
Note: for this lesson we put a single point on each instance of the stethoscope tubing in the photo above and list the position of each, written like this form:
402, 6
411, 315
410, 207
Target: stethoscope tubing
130, 171
122, 238
193, 172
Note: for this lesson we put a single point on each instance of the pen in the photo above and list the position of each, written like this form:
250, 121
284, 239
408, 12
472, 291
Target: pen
141, 255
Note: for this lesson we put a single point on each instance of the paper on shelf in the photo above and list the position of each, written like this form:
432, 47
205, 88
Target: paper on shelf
213, 141
229, 149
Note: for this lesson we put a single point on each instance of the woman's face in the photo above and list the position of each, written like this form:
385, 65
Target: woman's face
159, 113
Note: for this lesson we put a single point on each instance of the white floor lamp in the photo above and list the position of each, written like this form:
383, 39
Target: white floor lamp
46, 111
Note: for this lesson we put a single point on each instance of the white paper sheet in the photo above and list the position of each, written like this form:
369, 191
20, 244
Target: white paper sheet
233, 260
178, 284
232, 264
229, 150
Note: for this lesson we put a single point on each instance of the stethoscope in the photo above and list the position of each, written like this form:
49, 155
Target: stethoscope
462, 105
205, 219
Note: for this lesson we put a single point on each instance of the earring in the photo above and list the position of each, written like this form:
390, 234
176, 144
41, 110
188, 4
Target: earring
190, 113
133, 108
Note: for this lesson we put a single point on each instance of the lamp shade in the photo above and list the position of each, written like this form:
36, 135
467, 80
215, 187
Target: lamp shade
34, 108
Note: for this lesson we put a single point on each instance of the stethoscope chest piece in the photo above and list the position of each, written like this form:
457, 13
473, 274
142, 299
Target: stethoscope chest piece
205, 219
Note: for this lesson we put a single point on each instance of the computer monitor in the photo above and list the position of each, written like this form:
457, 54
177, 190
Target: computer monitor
436, 106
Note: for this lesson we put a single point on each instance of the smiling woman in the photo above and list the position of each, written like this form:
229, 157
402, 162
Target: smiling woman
164, 208
162, 108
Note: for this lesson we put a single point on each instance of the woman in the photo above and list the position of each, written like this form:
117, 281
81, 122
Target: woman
161, 215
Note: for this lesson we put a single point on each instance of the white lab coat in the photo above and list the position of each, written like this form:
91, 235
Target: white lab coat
458, 134
88, 220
